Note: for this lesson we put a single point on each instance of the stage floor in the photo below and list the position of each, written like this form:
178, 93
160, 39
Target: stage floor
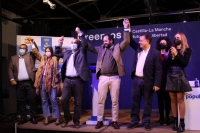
124, 119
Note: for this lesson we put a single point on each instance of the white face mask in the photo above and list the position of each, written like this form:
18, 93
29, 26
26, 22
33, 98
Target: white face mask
74, 46
48, 54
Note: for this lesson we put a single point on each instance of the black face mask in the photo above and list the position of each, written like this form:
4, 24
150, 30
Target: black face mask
177, 42
162, 46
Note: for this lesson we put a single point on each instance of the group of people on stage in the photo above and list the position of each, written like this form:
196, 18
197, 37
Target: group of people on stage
159, 69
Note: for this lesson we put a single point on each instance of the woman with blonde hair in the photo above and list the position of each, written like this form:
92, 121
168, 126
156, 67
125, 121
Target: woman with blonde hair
177, 83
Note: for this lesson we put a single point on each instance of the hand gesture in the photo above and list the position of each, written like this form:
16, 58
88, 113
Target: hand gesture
126, 23
174, 51
29, 38
78, 31
60, 40
155, 88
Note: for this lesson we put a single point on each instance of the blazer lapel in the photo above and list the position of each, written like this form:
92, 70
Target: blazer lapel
102, 55
17, 62
67, 55
75, 54
148, 56
26, 60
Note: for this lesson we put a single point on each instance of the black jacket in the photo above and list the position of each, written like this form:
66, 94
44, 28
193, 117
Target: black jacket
80, 63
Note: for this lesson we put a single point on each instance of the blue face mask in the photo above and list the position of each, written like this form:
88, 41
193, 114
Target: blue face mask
74, 46
22, 51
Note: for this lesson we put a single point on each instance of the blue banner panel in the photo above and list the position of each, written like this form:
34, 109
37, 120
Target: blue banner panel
190, 29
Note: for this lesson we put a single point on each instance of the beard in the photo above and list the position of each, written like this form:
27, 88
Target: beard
107, 45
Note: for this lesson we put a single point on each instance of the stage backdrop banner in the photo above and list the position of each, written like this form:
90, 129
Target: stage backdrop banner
190, 29
42, 42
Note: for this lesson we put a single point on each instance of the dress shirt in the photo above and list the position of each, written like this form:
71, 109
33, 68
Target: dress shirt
70, 68
22, 73
140, 63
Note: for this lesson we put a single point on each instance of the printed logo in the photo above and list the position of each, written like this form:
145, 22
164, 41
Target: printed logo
188, 96
45, 42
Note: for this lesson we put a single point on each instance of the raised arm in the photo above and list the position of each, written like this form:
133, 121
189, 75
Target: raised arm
35, 51
133, 43
81, 37
85, 44
58, 53
93, 49
124, 44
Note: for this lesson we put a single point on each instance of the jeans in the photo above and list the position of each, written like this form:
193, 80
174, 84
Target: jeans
52, 95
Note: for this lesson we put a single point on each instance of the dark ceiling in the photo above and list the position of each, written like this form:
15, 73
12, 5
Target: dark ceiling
89, 14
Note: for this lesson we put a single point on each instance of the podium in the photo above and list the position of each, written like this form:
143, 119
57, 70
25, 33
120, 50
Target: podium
93, 119
192, 105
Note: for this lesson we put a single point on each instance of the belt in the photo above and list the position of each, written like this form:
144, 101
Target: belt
24, 80
75, 77
141, 77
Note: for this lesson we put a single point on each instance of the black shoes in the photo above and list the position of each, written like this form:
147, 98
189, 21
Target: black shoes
166, 122
147, 126
181, 127
161, 122
57, 123
33, 120
99, 124
22, 121
115, 125
132, 125
65, 123
45, 124
175, 127
77, 125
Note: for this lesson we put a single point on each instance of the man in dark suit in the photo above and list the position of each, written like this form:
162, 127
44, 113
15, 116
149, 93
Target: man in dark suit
21, 72
146, 75
74, 72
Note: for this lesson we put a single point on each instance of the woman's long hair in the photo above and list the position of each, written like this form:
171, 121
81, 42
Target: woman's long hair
184, 43
51, 50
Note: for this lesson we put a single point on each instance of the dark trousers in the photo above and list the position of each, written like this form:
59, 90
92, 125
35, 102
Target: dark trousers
163, 102
72, 87
139, 90
26, 91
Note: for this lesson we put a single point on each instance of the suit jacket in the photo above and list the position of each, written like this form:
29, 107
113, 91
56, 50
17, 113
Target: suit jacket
117, 54
80, 63
29, 60
152, 71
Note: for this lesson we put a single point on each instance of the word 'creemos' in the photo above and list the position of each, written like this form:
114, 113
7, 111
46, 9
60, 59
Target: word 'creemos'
117, 35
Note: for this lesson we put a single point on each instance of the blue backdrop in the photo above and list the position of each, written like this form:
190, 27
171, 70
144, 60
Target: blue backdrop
94, 36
